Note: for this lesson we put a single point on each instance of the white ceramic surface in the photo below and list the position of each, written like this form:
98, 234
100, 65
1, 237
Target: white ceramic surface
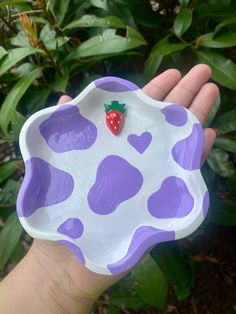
110, 198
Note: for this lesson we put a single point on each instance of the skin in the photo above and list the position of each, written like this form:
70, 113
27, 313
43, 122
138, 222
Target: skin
50, 279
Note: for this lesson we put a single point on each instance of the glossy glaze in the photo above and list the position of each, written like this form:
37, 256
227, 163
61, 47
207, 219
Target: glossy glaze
110, 198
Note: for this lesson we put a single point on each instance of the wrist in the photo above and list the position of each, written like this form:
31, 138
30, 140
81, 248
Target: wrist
66, 275
39, 285
50, 279
52, 275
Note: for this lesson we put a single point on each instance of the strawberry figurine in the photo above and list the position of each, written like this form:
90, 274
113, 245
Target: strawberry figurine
115, 116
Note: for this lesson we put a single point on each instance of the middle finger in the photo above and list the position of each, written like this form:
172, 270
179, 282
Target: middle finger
187, 88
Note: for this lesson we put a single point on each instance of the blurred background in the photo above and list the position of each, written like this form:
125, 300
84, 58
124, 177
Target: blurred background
51, 48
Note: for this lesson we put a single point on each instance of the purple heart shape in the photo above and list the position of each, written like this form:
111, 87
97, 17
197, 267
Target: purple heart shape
140, 142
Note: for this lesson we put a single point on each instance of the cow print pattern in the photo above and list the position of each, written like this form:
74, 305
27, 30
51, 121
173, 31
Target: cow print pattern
117, 187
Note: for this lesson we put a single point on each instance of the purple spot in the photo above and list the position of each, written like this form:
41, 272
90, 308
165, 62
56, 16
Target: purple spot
172, 200
175, 114
43, 185
141, 142
116, 181
74, 249
115, 84
188, 152
66, 129
72, 227
143, 239
206, 201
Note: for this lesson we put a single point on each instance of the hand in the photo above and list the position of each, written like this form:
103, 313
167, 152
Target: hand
194, 93
69, 284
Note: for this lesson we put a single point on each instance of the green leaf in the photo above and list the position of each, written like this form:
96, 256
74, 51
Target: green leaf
101, 4
219, 162
94, 21
14, 3
151, 283
82, 6
122, 10
20, 40
129, 302
24, 69
161, 49
3, 52
61, 40
182, 21
132, 13
108, 42
38, 20
213, 113
124, 295
152, 64
9, 192
223, 69
77, 67
175, 267
112, 309
226, 123
36, 97
214, 10
225, 22
7, 169
61, 13
14, 96
51, 6
47, 36
223, 213
18, 253
17, 121
184, 2
9, 237
220, 41
14, 56
226, 143
60, 83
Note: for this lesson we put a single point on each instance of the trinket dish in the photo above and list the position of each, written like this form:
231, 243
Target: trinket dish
110, 194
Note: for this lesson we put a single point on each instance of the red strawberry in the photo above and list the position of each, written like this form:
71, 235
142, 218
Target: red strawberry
115, 116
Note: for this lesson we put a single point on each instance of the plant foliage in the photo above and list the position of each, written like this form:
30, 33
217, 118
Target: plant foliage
52, 47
